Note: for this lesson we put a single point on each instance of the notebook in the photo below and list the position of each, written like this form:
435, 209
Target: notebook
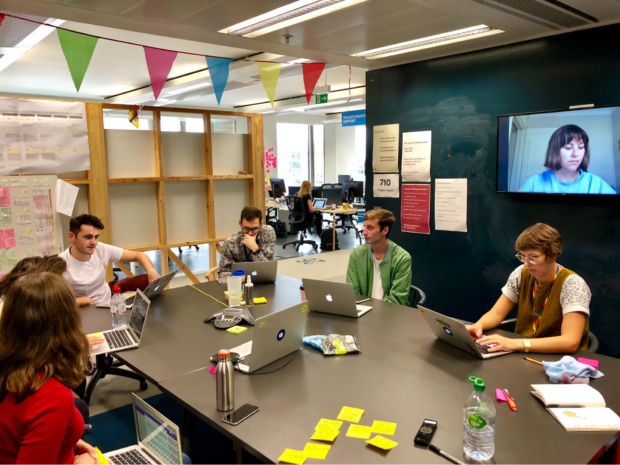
586, 419
568, 395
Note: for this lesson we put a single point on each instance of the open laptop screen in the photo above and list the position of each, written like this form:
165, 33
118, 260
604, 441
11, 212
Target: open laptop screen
319, 203
157, 434
138, 314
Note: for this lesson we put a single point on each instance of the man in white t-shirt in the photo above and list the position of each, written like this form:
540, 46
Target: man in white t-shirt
87, 260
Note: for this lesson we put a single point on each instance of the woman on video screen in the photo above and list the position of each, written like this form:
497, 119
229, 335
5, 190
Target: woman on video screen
567, 159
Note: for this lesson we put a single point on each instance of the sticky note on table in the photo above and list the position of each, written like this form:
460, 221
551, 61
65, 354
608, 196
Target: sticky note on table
237, 329
351, 414
359, 431
330, 425
293, 456
382, 443
501, 396
383, 427
589, 361
260, 300
316, 451
325, 435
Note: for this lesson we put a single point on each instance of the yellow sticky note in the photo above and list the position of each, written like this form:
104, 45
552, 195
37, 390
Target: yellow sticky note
293, 456
102, 459
359, 431
330, 425
382, 443
383, 427
316, 451
260, 300
325, 435
351, 414
237, 329
96, 335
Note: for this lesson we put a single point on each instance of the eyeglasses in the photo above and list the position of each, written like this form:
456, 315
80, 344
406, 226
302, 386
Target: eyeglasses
530, 259
250, 230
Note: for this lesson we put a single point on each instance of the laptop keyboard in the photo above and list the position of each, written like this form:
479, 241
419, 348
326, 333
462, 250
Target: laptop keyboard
118, 339
245, 360
484, 349
129, 458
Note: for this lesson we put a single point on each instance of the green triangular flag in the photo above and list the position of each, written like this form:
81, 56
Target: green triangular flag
78, 50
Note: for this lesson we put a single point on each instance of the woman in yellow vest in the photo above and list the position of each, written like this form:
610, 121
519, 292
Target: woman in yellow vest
554, 302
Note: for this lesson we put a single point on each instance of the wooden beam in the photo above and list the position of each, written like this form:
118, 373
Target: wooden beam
230, 176
218, 247
210, 186
192, 277
121, 180
76, 181
145, 248
124, 269
256, 163
200, 177
161, 191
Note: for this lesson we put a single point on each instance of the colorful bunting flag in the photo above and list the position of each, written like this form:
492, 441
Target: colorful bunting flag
134, 116
2, 16
312, 73
218, 69
269, 74
159, 62
78, 50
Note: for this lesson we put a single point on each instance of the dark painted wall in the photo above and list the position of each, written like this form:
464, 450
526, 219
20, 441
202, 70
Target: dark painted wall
459, 99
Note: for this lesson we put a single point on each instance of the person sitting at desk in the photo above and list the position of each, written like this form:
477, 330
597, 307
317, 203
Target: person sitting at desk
255, 242
305, 192
43, 353
553, 302
87, 260
380, 269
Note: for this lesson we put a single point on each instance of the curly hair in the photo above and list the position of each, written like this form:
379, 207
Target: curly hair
41, 336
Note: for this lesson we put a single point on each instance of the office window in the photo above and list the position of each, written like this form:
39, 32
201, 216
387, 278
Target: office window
170, 124
318, 155
360, 153
116, 119
293, 153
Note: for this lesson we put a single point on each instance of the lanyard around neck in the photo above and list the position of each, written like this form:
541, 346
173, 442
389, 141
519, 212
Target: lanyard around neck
534, 325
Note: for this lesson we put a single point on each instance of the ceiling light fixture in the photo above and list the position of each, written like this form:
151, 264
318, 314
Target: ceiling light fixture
187, 89
293, 13
446, 38
295, 62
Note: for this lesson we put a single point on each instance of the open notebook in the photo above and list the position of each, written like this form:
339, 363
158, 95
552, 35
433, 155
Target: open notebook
577, 407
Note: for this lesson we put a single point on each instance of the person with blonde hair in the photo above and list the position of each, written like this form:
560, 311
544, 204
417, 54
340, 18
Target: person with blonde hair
305, 192
380, 269
43, 354
553, 301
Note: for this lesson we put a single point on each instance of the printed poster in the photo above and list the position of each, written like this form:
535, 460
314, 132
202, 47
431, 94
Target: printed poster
415, 211
386, 185
451, 205
416, 160
385, 148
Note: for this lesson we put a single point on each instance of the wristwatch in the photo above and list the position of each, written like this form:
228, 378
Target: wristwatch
526, 345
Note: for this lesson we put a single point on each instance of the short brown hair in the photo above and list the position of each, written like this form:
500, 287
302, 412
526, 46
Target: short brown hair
559, 139
29, 265
251, 213
541, 237
75, 225
383, 217
41, 336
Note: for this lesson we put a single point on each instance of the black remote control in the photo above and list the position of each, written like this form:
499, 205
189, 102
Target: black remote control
425, 434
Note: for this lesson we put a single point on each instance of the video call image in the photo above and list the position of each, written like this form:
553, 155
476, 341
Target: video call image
571, 152
138, 314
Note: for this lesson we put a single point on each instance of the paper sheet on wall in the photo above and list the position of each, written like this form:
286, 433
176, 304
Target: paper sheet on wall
42, 136
416, 161
65, 197
416, 208
385, 148
386, 185
451, 205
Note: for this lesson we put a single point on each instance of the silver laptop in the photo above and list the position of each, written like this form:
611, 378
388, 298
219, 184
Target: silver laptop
455, 333
319, 203
129, 336
159, 440
261, 272
275, 336
334, 298
154, 288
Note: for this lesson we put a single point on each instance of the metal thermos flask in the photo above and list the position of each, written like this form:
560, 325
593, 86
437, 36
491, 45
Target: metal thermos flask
224, 382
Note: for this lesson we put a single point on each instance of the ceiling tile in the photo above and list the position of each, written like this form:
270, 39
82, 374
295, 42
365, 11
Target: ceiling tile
104, 6
168, 11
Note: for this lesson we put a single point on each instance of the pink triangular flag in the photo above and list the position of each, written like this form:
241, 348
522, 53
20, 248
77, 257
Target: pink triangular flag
159, 63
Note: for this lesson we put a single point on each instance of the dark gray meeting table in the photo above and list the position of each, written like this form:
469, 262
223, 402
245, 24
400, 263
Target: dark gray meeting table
403, 375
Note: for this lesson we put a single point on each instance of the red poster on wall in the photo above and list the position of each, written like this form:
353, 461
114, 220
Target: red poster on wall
415, 208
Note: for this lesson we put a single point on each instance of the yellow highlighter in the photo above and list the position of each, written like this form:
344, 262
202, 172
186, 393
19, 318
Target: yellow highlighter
101, 458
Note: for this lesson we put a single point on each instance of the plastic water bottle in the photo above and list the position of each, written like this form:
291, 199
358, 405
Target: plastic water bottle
478, 423
118, 309
249, 293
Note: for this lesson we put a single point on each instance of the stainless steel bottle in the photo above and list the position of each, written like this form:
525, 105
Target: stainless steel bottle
224, 382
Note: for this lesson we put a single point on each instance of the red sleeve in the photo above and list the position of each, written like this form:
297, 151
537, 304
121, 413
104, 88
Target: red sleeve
46, 423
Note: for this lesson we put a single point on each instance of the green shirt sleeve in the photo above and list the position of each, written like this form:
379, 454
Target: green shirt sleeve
401, 283
352, 276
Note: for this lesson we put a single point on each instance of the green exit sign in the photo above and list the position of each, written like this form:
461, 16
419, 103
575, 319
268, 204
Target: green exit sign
321, 98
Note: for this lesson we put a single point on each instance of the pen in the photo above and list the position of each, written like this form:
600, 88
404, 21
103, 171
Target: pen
511, 401
444, 454
532, 360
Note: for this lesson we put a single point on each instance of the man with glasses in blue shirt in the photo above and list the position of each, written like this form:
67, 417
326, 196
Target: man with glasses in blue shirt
254, 243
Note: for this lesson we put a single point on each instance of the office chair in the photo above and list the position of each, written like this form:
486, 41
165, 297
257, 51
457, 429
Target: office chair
593, 343
416, 296
299, 222
106, 365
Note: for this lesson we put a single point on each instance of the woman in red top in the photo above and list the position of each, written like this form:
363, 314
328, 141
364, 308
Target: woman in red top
43, 353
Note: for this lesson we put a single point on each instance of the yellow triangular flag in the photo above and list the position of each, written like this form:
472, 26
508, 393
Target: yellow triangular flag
269, 74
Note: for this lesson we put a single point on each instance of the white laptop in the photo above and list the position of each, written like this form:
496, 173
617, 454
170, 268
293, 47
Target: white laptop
129, 336
154, 288
455, 333
159, 440
261, 272
319, 203
334, 298
275, 336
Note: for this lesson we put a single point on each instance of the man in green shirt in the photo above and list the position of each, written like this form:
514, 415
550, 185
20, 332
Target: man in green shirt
380, 269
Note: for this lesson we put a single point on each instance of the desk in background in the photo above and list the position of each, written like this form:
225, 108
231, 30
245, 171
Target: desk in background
338, 211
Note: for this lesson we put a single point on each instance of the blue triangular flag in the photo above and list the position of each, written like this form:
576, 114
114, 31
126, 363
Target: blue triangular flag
218, 69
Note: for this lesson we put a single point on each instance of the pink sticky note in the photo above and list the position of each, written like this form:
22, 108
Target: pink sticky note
500, 395
588, 361
212, 369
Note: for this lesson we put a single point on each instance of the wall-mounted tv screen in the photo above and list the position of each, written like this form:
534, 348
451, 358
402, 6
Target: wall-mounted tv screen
561, 152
